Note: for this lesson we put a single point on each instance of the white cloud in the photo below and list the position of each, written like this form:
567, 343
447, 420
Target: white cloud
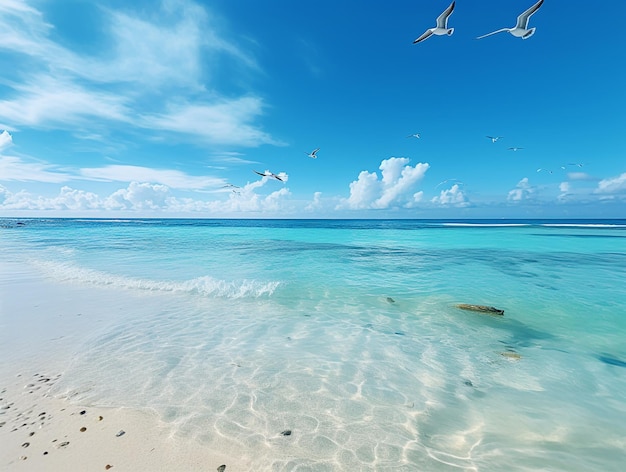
149, 198
316, 203
152, 62
48, 102
565, 189
522, 191
614, 185
14, 168
139, 196
171, 178
5, 140
453, 196
223, 122
395, 188
580, 176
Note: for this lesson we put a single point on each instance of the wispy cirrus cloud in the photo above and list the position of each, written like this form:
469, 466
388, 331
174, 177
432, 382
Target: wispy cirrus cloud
17, 169
612, 185
14, 168
152, 72
171, 178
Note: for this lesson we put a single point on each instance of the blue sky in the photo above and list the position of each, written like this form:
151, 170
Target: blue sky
148, 108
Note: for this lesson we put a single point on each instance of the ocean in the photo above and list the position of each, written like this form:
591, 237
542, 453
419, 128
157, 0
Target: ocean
337, 345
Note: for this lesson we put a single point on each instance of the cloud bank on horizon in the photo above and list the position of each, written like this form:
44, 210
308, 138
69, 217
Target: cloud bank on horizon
108, 110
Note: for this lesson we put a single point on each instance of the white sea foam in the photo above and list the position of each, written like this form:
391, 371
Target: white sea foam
581, 225
205, 286
486, 225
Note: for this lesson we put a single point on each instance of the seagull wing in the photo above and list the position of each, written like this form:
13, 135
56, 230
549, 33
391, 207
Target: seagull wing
522, 20
264, 175
493, 32
277, 178
442, 20
427, 34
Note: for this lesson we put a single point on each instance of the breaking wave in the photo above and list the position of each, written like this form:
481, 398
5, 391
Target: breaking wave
206, 286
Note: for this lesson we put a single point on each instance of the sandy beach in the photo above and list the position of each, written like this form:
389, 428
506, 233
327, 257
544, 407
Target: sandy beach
42, 431
39, 432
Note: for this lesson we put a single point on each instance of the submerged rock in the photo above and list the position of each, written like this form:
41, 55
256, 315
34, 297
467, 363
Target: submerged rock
490, 310
511, 355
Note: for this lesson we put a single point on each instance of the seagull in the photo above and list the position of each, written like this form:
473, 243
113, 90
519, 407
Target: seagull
514, 149
494, 138
416, 135
312, 154
545, 170
230, 186
577, 165
442, 25
521, 28
458, 182
267, 173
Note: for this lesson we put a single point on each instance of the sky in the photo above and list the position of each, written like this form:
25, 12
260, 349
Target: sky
167, 108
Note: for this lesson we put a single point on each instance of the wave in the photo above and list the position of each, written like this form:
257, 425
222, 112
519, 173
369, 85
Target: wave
486, 225
205, 286
583, 225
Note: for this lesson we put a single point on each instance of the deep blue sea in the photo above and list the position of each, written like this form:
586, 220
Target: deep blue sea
345, 332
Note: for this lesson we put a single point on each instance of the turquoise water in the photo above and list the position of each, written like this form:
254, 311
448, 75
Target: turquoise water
347, 334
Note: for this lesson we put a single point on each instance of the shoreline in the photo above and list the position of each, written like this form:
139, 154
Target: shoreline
41, 432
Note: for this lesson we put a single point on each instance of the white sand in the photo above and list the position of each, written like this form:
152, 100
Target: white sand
43, 433
40, 327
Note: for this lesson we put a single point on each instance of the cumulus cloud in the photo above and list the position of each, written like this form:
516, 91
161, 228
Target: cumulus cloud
316, 203
5, 140
566, 190
453, 196
613, 185
522, 191
394, 188
150, 197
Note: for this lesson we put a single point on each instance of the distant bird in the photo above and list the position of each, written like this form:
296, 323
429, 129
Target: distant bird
521, 28
442, 25
267, 173
577, 165
449, 180
230, 186
312, 154
544, 170
515, 148
494, 138
416, 135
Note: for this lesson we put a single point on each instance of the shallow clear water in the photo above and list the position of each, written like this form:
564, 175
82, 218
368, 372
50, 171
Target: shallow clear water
347, 334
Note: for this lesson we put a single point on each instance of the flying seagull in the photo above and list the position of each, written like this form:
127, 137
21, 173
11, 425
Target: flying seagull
312, 154
494, 138
521, 28
458, 182
544, 170
267, 173
514, 149
416, 135
442, 25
